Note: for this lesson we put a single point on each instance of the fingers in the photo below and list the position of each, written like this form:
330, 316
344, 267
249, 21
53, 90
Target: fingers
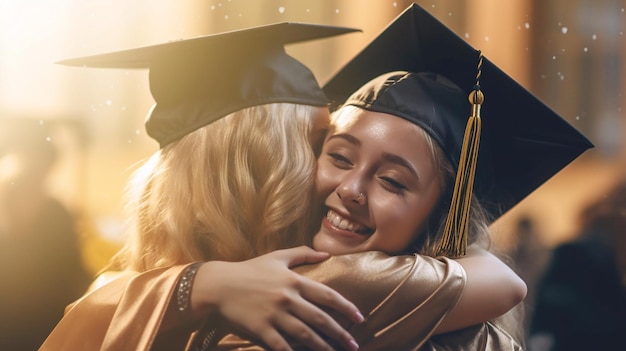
323, 323
300, 331
274, 341
277, 305
314, 293
301, 255
307, 315
321, 294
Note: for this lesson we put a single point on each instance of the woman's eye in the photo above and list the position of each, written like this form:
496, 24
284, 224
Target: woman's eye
393, 184
339, 160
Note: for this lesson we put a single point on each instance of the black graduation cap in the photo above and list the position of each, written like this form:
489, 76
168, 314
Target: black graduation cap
197, 81
522, 141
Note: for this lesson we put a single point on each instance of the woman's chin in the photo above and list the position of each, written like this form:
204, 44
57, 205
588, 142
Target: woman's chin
327, 243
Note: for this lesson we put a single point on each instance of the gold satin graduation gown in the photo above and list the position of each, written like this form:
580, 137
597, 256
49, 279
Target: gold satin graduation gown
404, 298
123, 314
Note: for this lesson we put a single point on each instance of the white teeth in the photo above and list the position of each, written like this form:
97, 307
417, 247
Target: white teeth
343, 223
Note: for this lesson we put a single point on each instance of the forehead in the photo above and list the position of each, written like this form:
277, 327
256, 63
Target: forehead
354, 119
381, 133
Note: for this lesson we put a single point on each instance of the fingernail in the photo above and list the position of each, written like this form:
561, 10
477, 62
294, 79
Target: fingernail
353, 345
358, 317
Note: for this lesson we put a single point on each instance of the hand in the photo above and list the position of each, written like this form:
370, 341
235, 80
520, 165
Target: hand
265, 299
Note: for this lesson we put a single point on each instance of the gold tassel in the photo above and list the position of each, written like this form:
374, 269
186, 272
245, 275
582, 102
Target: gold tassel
454, 240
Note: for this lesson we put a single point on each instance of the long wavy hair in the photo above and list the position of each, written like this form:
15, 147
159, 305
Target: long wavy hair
232, 190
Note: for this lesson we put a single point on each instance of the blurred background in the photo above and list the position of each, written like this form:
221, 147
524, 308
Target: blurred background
569, 53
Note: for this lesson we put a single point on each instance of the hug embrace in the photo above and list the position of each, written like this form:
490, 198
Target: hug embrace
282, 215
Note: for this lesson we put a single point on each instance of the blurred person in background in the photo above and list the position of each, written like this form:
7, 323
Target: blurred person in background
529, 257
581, 297
40, 261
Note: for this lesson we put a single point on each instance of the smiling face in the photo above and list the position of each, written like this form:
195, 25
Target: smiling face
378, 181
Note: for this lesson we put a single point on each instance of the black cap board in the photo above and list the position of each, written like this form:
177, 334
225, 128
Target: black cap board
197, 81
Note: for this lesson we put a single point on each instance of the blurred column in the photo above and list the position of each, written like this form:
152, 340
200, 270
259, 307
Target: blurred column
500, 30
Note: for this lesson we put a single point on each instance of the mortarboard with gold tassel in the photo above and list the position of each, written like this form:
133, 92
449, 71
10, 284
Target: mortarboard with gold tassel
417, 69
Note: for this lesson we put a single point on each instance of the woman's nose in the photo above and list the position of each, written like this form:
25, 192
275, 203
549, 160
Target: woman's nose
350, 191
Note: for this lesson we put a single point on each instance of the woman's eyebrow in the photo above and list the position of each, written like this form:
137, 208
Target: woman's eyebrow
347, 137
401, 161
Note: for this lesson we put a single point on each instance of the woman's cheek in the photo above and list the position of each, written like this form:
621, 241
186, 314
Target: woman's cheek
326, 181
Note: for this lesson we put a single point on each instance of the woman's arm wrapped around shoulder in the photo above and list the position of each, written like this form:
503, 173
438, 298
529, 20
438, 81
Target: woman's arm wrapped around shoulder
405, 299
139, 311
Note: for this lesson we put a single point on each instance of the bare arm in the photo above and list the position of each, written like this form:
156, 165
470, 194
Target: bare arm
491, 290
264, 298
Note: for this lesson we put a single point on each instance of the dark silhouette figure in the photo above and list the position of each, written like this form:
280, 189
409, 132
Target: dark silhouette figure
529, 257
581, 298
41, 270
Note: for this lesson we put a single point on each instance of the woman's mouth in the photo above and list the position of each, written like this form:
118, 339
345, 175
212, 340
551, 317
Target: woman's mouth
344, 224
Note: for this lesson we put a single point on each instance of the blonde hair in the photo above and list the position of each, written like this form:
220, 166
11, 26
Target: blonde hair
232, 190
478, 233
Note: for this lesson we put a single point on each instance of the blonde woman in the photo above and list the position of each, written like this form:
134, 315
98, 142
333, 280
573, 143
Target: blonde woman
235, 118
